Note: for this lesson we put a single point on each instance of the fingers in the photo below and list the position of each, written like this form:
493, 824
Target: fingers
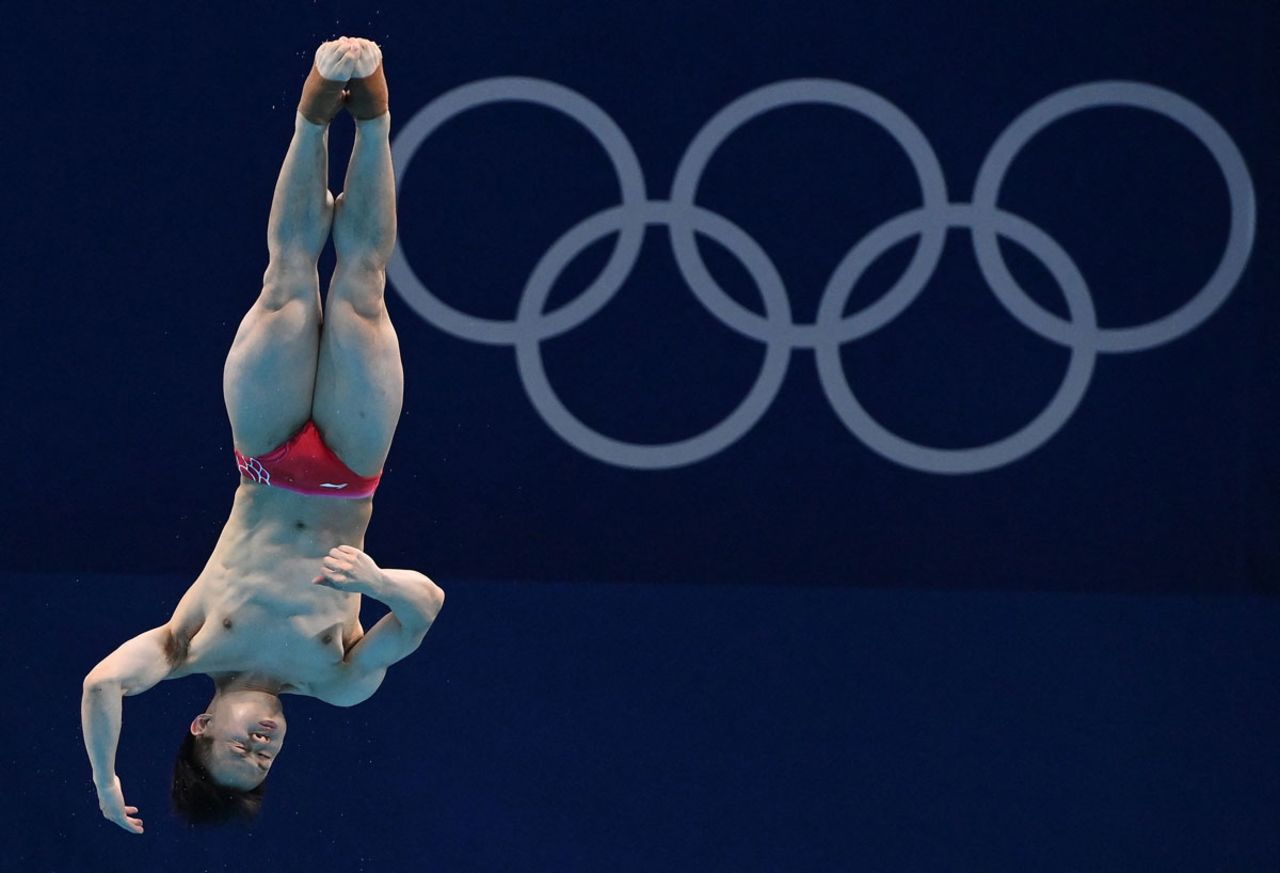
334, 576
128, 820
338, 565
343, 554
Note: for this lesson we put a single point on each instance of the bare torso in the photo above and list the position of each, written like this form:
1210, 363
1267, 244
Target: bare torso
253, 609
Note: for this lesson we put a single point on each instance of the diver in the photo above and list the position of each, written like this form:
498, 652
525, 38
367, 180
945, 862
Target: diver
314, 397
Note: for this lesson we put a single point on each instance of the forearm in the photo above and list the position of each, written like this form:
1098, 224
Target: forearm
101, 711
413, 598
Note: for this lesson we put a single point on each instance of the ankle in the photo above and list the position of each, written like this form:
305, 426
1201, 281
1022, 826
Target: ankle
302, 124
367, 97
322, 98
378, 124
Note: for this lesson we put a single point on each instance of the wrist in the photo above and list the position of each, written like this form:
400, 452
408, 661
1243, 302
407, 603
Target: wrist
381, 586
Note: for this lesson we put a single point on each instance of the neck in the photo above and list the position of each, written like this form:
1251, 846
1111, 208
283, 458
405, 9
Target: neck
248, 681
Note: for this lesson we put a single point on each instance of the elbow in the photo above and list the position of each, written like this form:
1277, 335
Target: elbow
437, 600
96, 683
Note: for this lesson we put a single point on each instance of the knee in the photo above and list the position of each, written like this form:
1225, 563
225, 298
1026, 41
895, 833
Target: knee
362, 238
361, 285
287, 279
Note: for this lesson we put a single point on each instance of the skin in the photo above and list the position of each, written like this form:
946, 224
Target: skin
245, 741
276, 608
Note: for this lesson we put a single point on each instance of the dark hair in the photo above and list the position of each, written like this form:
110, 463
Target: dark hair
201, 801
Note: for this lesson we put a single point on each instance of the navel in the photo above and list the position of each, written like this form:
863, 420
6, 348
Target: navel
226, 622
299, 525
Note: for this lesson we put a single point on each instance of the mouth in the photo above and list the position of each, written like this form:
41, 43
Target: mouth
269, 725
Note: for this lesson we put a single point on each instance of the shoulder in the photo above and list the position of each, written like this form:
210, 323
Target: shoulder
140, 662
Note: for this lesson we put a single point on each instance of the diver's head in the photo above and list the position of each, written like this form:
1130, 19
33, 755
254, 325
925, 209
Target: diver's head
226, 755
246, 729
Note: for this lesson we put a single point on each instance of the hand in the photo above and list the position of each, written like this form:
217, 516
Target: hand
111, 802
351, 571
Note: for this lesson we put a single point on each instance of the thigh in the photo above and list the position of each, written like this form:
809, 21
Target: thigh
359, 382
269, 376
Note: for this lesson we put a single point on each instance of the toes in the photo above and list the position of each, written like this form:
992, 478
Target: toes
325, 54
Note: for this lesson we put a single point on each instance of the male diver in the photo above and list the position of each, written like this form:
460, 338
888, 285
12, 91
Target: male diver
313, 400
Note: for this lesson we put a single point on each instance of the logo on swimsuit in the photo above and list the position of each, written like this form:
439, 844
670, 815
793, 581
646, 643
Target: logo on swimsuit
252, 469
981, 216
332, 485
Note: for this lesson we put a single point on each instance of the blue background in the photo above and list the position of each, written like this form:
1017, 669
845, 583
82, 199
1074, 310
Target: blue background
794, 655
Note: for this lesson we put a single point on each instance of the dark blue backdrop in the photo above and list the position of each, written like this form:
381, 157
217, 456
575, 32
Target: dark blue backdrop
143, 174
142, 146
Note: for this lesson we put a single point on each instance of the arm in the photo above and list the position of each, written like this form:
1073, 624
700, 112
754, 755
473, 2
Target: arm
132, 668
414, 600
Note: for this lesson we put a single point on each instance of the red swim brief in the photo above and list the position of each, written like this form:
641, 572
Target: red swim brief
306, 465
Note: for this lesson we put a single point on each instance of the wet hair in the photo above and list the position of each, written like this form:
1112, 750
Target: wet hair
198, 799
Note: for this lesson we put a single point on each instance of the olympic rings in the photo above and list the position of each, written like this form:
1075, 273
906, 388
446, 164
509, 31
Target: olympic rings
1239, 188
931, 221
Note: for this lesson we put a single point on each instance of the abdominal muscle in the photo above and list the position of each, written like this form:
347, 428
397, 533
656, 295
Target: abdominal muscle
254, 608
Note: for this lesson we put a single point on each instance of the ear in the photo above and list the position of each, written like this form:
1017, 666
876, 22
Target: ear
200, 723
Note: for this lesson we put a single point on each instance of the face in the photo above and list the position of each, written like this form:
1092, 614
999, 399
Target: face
247, 733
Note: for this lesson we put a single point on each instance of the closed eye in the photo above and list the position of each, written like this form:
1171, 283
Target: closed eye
244, 753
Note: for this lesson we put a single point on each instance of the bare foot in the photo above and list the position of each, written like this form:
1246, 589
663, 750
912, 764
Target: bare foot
369, 55
367, 98
336, 59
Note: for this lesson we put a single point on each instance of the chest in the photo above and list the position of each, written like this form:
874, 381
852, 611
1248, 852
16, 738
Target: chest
299, 649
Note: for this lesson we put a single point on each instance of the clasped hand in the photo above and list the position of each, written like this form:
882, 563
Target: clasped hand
351, 571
